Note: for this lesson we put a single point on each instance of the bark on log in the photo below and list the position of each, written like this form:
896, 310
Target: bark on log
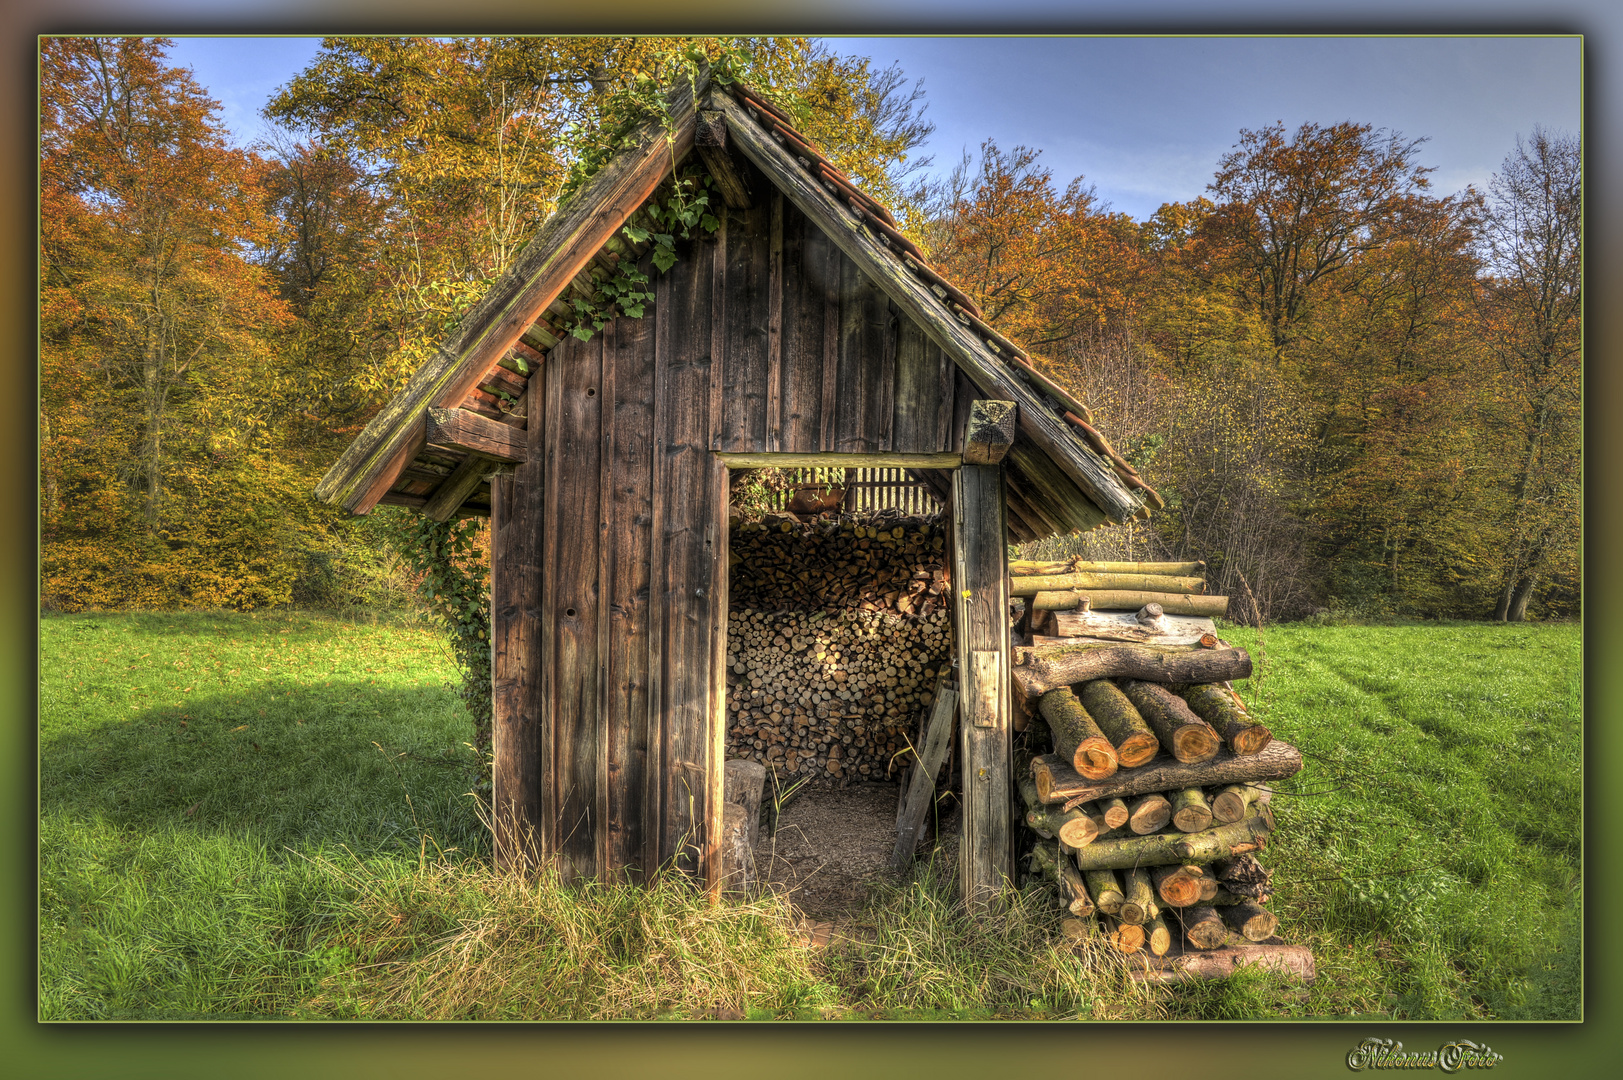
1150, 583
1222, 897
737, 853
1077, 827
1164, 849
1157, 936
1058, 782
1031, 568
1210, 607
1292, 961
1122, 626
1073, 893
1104, 888
1148, 814
1243, 869
1037, 671
1135, 743
1190, 739
1235, 801
1077, 739
1189, 810
1254, 922
1176, 885
1114, 811
1202, 926
1221, 708
1138, 897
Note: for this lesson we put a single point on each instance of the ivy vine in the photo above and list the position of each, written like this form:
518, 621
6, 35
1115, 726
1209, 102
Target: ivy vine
456, 587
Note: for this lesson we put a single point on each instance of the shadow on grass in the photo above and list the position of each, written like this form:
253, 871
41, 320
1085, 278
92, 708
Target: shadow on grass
372, 769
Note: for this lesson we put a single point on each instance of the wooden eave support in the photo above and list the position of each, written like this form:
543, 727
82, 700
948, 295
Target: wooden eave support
470, 433
449, 496
990, 431
710, 139
560, 250
1094, 478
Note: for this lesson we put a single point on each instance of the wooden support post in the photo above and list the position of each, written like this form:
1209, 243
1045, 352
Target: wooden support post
455, 489
516, 658
981, 604
990, 432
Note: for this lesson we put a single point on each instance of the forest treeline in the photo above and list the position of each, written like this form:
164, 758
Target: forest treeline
1353, 392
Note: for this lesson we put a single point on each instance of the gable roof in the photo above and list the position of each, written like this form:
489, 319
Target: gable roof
414, 452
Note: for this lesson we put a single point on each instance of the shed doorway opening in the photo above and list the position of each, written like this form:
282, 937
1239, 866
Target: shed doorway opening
839, 626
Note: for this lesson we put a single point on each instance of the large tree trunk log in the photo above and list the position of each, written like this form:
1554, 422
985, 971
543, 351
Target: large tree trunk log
1235, 801
1114, 811
1202, 926
1189, 810
1077, 739
1254, 922
1221, 708
1209, 607
1037, 671
1190, 738
1150, 583
1105, 889
1184, 630
1293, 961
1148, 813
1029, 568
1058, 782
1164, 849
1138, 897
1135, 743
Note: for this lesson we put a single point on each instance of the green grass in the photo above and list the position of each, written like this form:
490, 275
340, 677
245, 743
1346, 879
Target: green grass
269, 817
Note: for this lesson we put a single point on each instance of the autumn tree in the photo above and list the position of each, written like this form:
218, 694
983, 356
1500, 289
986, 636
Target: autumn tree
1531, 308
1291, 213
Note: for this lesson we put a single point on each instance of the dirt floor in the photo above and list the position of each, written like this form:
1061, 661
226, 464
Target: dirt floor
832, 844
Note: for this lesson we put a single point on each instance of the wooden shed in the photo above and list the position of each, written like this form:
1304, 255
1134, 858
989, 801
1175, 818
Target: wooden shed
805, 331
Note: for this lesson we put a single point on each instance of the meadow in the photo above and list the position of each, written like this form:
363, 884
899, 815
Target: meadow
277, 816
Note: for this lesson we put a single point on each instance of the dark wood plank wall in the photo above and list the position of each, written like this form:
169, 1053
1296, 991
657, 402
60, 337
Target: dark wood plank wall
610, 592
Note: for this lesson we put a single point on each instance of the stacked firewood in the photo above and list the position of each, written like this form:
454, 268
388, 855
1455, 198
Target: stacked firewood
881, 562
1152, 798
830, 695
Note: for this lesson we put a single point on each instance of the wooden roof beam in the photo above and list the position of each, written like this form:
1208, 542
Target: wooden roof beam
1093, 476
560, 250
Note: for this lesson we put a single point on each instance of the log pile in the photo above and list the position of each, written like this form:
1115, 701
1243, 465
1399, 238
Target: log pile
1144, 784
885, 561
835, 695
837, 632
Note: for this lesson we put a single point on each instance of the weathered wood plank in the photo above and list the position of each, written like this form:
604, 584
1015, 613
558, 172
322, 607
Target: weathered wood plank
831, 460
560, 250
865, 373
1093, 475
774, 323
575, 473
803, 296
629, 354
980, 603
743, 305
516, 661
923, 397
470, 433
921, 791
689, 478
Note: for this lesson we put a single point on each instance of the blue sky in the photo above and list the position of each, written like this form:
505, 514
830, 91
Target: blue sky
1142, 119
